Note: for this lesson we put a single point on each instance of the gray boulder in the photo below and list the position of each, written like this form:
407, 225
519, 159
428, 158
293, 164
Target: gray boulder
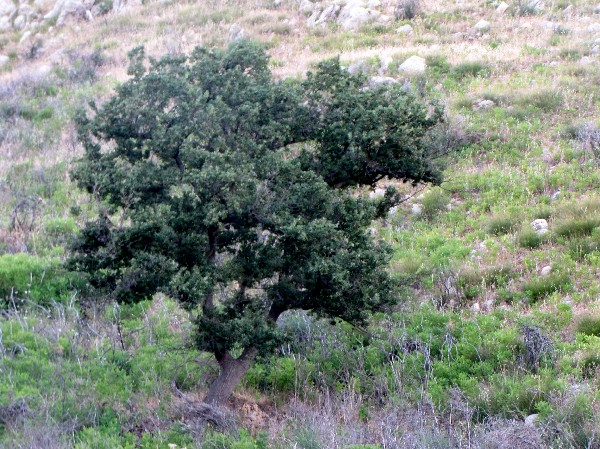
413, 65
7, 7
63, 9
540, 226
356, 14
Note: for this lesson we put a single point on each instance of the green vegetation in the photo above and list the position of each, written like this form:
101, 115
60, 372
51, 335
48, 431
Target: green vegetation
481, 337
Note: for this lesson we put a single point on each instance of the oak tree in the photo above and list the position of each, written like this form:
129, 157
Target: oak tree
243, 196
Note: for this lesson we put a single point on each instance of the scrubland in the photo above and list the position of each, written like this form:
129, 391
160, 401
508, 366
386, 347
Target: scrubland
496, 341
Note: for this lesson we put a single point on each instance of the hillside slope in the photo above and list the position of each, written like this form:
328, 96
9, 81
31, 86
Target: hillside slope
496, 343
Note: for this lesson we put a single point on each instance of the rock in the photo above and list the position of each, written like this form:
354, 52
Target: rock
595, 50
319, 17
482, 104
26, 35
414, 65
354, 15
568, 10
594, 28
19, 23
65, 8
4, 60
378, 80
377, 193
597, 9
277, 3
540, 226
556, 195
482, 26
502, 7
307, 7
476, 308
416, 209
358, 67
546, 270
374, 3
586, 60
236, 32
488, 305
385, 64
547, 25
5, 23
7, 7
404, 29
531, 420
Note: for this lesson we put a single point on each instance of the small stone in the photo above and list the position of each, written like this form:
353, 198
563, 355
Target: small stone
416, 209
385, 64
568, 10
4, 60
377, 80
556, 195
502, 7
483, 104
586, 60
236, 32
546, 270
377, 193
488, 305
594, 28
482, 26
19, 23
476, 308
306, 7
404, 29
540, 226
531, 420
26, 35
597, 9
414, 64
547, 25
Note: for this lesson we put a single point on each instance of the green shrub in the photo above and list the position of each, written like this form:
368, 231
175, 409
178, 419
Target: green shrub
433, 203
583, 247
529, 239
24, 276
576, 227
472, 68
500, 224
539, 288
543, 100
438, 64
589, 325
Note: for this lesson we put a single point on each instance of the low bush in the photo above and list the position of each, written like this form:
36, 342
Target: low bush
433, 203
501, 224
529, 239
588, 325
23, 276
576, 227
471, 68
539, 288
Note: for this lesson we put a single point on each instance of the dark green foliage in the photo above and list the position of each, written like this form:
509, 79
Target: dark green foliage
529, 239
589, 325
538, 288
576, 227
23, 277
500, 225
434, 203
230, 191
472, 68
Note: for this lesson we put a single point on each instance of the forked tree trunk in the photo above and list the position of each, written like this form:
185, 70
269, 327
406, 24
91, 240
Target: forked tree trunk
232, 371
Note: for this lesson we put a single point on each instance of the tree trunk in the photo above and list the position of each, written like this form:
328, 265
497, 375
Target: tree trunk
232, 371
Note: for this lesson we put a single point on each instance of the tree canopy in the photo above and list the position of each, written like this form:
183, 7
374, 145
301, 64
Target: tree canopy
240, 195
